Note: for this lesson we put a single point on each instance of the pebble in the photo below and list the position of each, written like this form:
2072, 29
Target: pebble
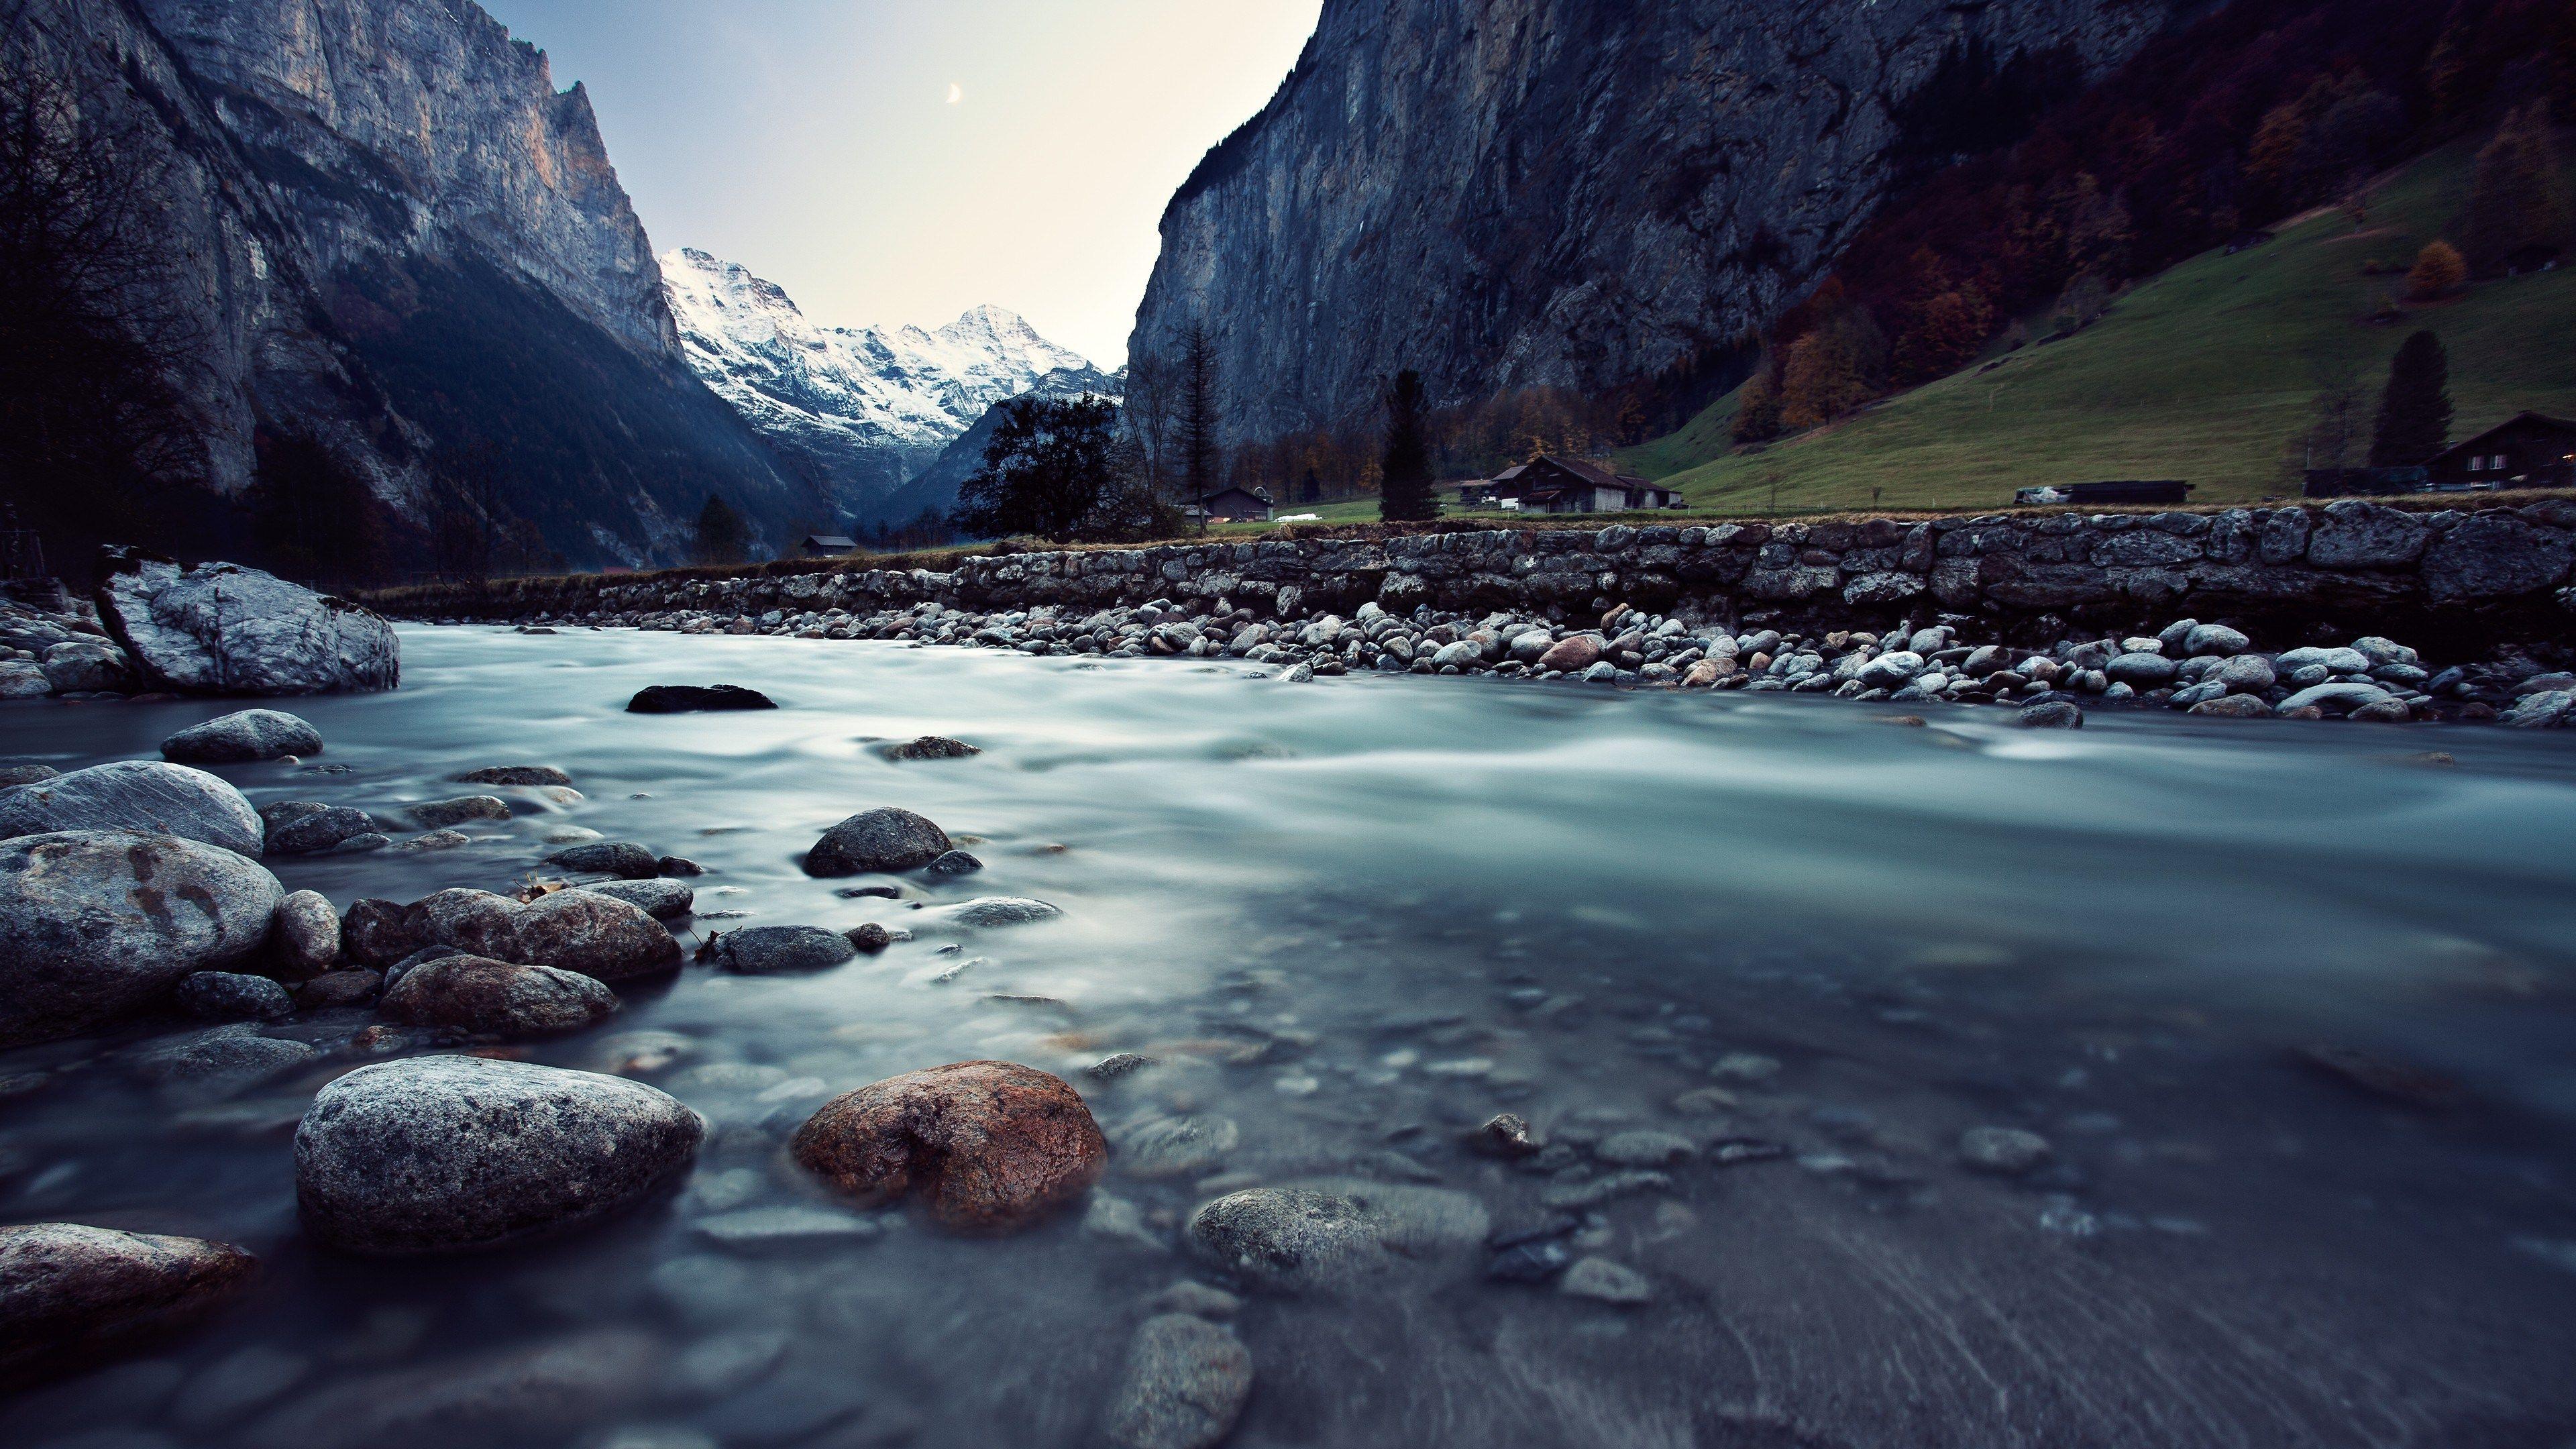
2006, 1151
1604, 1281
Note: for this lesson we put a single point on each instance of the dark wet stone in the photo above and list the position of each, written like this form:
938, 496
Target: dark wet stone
69, 1292
660, 899
447, 1153
679, 865
929, 747
354, 987
988, 911
1504, 1135
243, 737
308, 827
869, 937
2051, 714
761, 949
373, 932
1534, 1261
884, 839
497, 998
222, 1061
515, 775
232, 996
955, 862
695, 699
621, 858
13, 775
1111, 1068
438, 814
987, 1147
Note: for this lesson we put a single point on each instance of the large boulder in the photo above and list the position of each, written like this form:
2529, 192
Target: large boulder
988, 1147
884, 839
2495, 555
242, 737
97, 925
69, 1291
445, 1153
145, 796
223, 629
573, 930
1333, 1236
497, 998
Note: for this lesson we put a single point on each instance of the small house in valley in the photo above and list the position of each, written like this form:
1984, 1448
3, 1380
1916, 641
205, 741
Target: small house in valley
1547, 484
1231, 505
2527, 450
825, 545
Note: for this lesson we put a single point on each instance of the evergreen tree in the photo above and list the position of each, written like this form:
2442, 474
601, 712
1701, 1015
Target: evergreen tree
2414, 419
2518, 198
1311, 490
1404, 494
723, 538
1200, 461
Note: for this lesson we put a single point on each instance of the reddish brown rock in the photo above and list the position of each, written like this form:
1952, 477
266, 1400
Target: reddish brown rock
989, 1147
1573, 653
499, 998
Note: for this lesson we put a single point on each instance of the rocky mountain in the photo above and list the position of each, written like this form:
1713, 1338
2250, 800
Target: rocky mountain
935, 487
396, 238
1566, 193
864, 409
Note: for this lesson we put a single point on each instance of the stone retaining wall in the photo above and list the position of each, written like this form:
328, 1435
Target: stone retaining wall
2456, 580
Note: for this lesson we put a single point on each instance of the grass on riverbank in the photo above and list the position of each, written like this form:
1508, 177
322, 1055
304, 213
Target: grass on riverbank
2202, 373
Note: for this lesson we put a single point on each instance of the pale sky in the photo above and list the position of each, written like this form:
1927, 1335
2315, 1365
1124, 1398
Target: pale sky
817, 142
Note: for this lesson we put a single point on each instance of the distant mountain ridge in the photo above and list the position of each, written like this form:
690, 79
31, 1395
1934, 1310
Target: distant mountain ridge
862, 410
396, 239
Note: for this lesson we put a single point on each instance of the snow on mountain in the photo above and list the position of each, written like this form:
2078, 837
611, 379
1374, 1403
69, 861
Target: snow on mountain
862, 409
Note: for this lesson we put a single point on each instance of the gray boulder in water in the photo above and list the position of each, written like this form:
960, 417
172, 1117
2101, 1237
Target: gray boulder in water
242, 737
445, 1153
145, 796
1333, 1235
883, 839
68, 1290
220, 628
1184, 1385
97, 925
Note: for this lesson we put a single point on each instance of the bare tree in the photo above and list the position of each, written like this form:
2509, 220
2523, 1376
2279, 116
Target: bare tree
95, 350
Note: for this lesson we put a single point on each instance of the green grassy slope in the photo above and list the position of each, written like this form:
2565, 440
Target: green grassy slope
2200, 373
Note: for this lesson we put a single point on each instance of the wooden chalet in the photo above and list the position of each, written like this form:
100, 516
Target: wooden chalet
1548, 484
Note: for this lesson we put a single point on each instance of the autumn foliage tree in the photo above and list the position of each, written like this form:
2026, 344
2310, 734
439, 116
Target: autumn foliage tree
1838, 365
2438, 271
2518, 199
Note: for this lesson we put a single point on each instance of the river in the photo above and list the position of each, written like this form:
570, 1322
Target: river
1357, 917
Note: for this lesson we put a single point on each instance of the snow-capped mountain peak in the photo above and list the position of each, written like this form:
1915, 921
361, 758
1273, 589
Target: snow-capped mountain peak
866, 407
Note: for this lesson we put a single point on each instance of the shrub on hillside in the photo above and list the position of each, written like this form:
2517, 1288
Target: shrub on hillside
2438, 272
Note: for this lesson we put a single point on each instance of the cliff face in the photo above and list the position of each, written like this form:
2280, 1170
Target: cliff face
1572, 193
401, 240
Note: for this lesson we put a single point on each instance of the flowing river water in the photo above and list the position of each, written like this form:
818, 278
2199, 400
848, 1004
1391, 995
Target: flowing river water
1353, 919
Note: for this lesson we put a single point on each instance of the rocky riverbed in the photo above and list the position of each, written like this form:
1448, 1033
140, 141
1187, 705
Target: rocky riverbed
2211, 669
1043, 1046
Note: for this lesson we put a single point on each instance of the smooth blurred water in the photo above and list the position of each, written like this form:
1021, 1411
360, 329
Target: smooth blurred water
1358, 916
